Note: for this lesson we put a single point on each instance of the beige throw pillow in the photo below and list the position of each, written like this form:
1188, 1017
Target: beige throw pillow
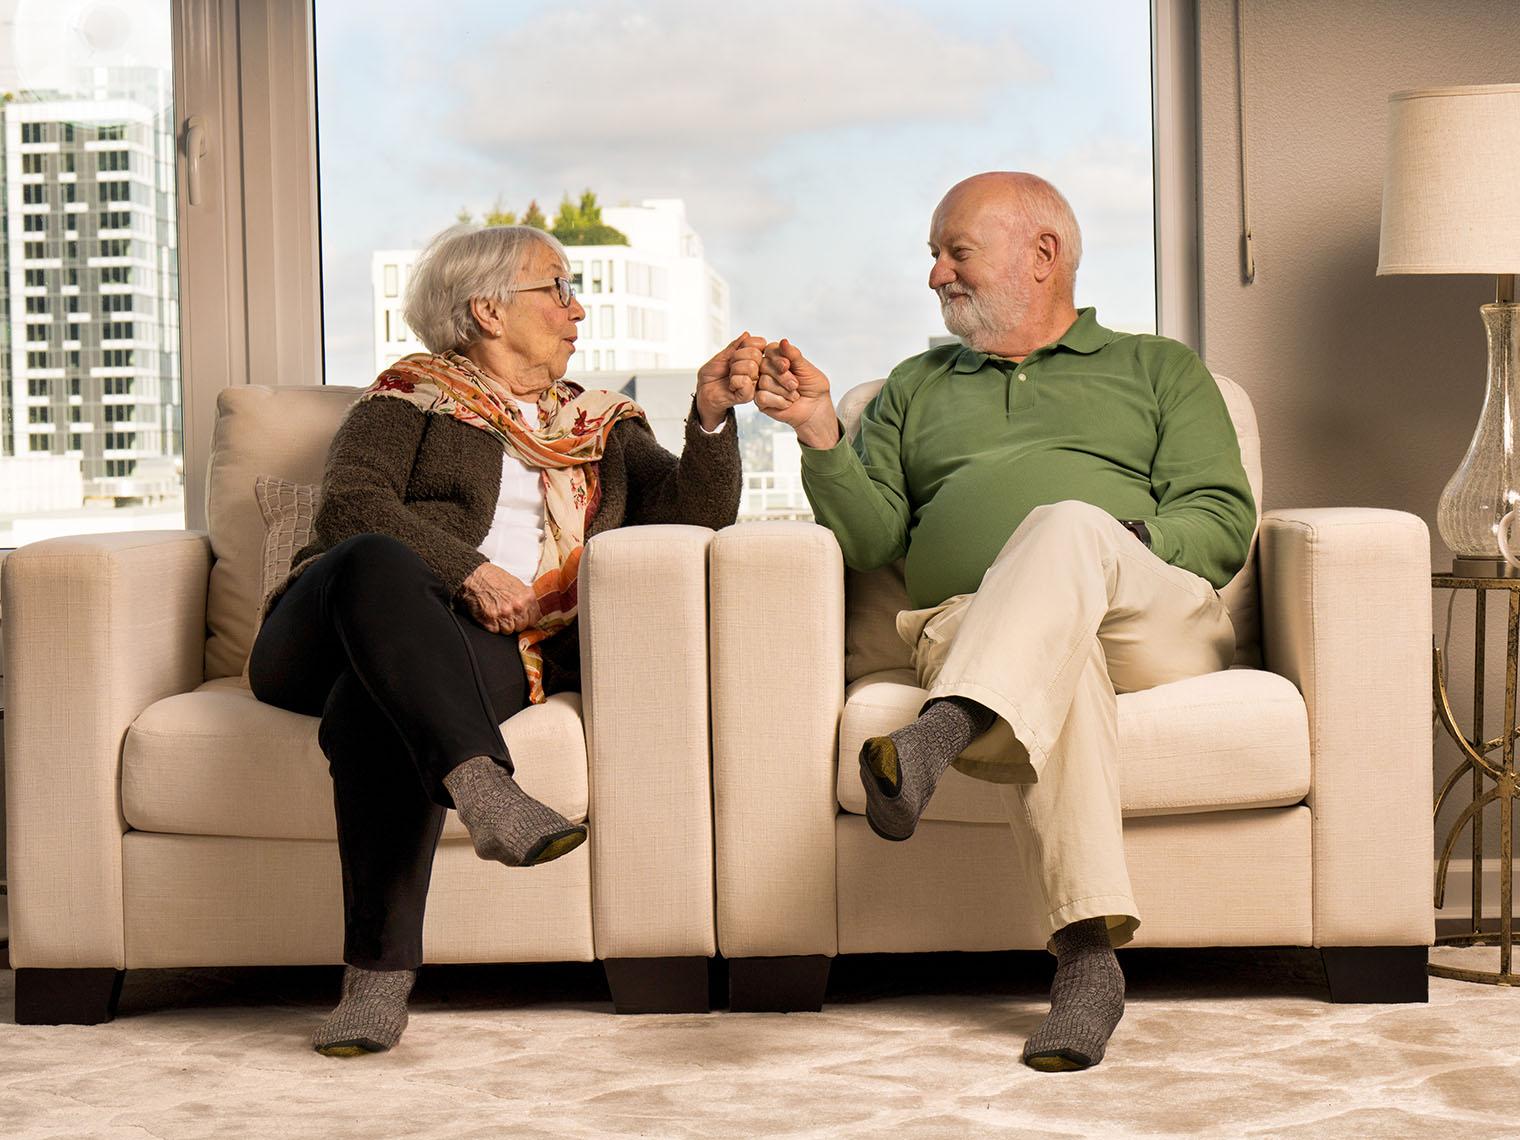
289, 510
872, 601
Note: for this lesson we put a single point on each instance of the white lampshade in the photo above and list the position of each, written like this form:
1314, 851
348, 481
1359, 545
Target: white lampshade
1451, 193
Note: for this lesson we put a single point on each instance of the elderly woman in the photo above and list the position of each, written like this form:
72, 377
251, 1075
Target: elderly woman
438, 596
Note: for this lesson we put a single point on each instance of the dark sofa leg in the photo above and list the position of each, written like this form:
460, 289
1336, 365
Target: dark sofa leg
67, 997
1377, 974
658, 985
792, 984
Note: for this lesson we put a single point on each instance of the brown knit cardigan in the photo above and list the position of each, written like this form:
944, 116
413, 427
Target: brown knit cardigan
433, 482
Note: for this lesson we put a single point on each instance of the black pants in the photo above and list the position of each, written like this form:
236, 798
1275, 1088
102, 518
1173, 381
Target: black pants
407, 689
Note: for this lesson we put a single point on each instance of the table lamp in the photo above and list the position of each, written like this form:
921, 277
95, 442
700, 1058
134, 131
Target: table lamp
1451, 204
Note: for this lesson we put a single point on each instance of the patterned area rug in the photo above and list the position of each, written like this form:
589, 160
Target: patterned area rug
1214, 1044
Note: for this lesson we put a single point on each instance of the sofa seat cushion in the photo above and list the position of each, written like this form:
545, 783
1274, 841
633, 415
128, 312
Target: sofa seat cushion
217, 761
1233, 740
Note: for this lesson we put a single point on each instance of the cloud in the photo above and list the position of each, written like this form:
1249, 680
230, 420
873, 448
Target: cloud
635, 99
667, 76
1109, 184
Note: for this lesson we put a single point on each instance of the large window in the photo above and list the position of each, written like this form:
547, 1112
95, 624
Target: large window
87, 94
767, 166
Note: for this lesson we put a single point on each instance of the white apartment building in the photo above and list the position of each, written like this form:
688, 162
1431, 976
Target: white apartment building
89, 286
653, 304
389, 271
777, 493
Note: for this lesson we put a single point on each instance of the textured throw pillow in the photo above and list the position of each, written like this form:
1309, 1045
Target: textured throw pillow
288, 509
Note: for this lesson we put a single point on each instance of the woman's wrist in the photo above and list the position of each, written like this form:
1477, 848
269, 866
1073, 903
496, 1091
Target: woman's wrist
710, 418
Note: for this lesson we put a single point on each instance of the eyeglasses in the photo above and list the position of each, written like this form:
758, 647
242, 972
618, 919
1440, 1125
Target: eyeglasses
564, 291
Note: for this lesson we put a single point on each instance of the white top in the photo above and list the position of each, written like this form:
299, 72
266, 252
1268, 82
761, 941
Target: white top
517, 527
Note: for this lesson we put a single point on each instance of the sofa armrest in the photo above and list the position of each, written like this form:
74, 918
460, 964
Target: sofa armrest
1346, 617
778, 690
644, 690
96, 629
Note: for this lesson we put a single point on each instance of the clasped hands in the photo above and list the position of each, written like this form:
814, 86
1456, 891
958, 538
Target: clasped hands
783, 383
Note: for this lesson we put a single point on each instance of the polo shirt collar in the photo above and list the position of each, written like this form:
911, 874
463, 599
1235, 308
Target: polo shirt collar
1085, 336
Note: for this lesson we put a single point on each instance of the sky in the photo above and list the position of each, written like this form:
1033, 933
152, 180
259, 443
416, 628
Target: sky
810, 141
43, 43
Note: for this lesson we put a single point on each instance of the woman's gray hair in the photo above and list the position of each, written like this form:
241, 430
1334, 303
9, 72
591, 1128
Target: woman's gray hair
460, 264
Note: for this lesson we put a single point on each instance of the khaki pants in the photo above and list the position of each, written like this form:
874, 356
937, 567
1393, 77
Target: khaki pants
1073, 609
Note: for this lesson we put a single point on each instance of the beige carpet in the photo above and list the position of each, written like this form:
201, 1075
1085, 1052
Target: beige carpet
1215, 1043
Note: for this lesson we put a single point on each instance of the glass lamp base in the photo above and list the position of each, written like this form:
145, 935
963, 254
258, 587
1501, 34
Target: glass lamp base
1486, 487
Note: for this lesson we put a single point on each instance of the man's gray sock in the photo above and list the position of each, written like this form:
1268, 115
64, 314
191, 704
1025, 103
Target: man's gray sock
900, 771
504, 822
370, 1016
1086, 1001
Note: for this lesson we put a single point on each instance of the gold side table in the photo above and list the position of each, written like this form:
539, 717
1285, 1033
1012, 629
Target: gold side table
1493, 780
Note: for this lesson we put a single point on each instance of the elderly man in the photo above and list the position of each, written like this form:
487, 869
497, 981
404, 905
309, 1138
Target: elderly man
1069, 499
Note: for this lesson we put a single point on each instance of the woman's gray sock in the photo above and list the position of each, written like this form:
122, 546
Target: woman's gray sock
1086, 1001
900, 771
504, 822
370, 1016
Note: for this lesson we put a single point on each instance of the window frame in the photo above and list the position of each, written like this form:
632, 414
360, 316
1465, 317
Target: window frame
250, 280
1174, 158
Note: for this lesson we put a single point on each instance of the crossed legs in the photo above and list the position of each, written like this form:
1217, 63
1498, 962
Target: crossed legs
1073, 608
411, 696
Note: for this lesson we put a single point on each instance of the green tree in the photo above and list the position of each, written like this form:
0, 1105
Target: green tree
534, 216
464, 217
567, 218
581, 223
496, 216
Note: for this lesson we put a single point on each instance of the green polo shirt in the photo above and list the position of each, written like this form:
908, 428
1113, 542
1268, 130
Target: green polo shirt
959, 446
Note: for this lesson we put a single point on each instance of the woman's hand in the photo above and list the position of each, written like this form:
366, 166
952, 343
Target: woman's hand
728, 379
498, 601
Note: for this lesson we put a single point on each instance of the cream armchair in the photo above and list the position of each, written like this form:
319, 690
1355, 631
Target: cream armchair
158, 815
1283, 802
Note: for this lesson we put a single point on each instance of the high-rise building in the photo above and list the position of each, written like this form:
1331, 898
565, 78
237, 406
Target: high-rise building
90, 375
653, 304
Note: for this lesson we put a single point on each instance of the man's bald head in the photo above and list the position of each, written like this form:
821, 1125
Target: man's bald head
1027, 204
1006, 248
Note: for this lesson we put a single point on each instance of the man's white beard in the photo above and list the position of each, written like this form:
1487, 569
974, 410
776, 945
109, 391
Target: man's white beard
984, 315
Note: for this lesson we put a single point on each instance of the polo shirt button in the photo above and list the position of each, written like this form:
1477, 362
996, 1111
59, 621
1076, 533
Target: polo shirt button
1022, 376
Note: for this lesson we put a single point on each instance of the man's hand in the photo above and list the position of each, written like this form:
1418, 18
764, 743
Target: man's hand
728, 379
498, 601
793, 391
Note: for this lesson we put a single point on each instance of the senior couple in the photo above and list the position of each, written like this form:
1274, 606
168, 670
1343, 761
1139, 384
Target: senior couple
1068, 500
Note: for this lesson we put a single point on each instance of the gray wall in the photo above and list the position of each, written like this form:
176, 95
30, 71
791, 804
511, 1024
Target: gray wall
1367, 388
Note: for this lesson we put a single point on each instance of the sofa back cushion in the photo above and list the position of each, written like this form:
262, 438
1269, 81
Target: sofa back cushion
282, 432
874, 597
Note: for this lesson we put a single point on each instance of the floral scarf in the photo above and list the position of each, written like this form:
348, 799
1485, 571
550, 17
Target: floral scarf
571, 436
